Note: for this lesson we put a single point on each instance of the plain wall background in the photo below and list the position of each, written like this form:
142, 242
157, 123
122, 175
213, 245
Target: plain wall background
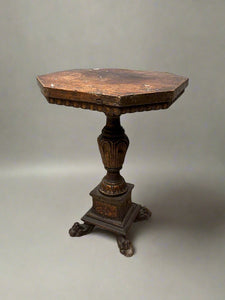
183, 143
182, 37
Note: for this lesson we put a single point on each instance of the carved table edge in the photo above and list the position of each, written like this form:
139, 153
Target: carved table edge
110, 110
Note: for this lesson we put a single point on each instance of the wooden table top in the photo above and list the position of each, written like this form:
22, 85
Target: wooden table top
112, 91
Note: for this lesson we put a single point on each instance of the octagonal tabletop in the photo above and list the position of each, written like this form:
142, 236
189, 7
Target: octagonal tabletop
113, 91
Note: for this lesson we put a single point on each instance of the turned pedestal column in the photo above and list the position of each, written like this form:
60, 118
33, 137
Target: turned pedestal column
114, 92
112, 207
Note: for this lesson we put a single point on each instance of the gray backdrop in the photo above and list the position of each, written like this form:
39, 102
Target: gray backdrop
49, 159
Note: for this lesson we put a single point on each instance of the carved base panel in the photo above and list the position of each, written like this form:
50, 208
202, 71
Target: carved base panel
116, 226
113, 207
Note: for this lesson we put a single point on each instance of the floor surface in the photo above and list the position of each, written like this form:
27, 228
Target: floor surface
179, 254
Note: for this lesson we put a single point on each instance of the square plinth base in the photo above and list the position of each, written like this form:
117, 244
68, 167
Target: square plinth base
116, 226
112, 207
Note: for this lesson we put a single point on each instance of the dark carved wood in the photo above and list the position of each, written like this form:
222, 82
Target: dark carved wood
109, 110
143, 214
125, 246
114, 92
80, 229
112, 224
114, 207
113, 144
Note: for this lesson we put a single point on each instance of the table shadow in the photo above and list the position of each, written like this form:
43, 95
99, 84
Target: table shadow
190, 207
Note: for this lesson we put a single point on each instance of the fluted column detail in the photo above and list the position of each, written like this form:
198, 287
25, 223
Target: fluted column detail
113, 144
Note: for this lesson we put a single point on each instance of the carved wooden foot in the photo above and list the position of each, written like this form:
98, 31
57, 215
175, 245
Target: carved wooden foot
125, 246
144, 214
80, 229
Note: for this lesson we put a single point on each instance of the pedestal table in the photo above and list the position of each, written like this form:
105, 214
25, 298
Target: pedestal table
114, 92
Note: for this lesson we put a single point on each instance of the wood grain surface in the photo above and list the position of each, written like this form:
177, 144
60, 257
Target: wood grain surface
102, 89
